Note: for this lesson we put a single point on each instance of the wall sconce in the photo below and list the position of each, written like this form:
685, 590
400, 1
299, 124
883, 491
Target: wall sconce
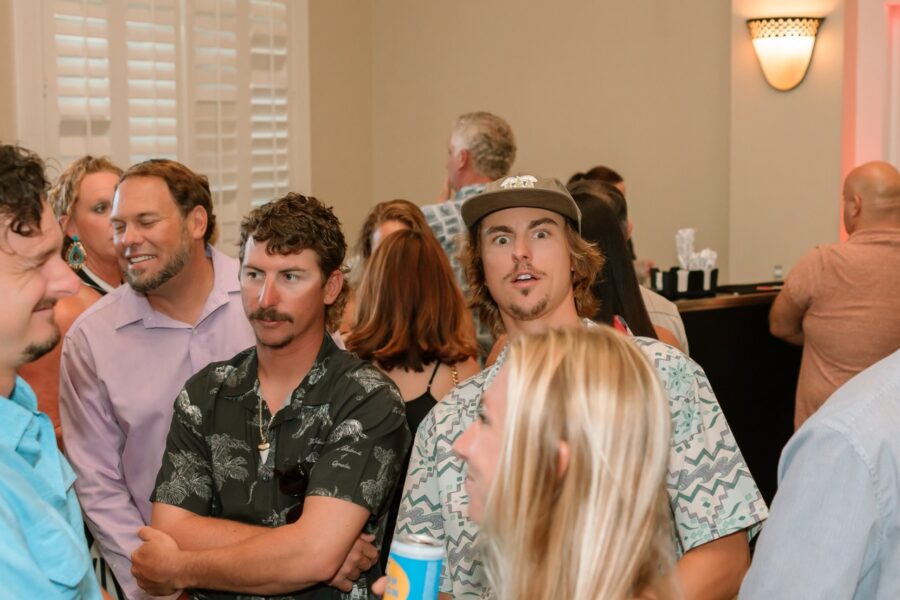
784, 47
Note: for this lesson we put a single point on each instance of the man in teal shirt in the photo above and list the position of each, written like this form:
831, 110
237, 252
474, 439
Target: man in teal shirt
44, 553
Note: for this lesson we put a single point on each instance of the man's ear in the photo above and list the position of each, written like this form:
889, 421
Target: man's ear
333, 286
628, 229
197, 221
854, 205
463, 158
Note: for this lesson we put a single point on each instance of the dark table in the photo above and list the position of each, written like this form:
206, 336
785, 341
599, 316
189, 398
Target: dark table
753, 374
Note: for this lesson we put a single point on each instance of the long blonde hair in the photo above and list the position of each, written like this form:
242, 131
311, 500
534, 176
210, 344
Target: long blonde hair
601, 529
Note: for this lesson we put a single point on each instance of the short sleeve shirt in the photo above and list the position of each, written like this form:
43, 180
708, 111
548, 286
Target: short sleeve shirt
446, 222
851, 314
345, 424
710, 489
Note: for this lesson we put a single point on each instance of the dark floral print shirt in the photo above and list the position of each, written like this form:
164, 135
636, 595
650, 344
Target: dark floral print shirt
345, 423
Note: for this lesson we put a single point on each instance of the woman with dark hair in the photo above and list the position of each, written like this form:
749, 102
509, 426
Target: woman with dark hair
617, 286
600, 173
605, 175
384, 219
412, 323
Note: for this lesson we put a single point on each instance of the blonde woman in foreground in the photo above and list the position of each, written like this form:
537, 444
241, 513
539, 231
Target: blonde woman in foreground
566, 469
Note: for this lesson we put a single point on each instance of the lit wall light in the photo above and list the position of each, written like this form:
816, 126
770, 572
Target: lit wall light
784, 47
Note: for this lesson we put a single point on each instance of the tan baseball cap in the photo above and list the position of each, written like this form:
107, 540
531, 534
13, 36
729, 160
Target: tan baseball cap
517, 191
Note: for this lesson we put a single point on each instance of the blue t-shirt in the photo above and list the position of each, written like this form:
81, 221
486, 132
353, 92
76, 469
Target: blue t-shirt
43, 553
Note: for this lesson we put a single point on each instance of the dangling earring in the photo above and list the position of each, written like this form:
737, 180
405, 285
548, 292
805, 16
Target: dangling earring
75, 255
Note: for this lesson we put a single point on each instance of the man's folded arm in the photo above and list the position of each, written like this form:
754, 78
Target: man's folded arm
284, 559
194, 532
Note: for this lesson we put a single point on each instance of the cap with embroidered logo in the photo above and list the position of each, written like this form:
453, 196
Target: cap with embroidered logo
518, 191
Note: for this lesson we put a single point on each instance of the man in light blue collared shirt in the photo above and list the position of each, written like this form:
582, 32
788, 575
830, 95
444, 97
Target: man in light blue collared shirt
43, 553
834, 526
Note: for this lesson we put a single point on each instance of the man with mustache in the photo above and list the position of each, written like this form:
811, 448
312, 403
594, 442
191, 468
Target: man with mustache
529, 270
43, 553
280, 457
125, 359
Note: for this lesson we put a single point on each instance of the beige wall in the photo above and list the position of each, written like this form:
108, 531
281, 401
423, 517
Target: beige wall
640, 86
340, 84
785, 146
668, 93
7, 91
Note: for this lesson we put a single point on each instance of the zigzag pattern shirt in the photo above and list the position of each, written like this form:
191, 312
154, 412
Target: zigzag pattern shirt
711, 492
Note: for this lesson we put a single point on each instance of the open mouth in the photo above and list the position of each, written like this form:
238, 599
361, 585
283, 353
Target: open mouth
525, 279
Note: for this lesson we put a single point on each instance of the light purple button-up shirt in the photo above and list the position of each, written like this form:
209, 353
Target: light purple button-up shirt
123, 364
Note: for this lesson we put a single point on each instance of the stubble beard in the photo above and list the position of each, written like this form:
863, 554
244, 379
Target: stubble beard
523, 314
36, 350
170, 270
276, 345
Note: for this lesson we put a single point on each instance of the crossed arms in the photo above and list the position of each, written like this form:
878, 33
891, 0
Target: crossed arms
183, 550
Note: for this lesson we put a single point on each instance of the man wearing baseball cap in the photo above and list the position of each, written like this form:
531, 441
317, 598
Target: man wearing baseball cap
530, 270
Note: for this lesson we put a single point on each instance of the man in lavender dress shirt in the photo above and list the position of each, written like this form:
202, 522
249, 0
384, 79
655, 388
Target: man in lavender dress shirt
126, 358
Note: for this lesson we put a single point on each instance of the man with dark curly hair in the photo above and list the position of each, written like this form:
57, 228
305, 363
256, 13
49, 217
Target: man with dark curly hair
529, 270
279, 459
127, 356
44, 552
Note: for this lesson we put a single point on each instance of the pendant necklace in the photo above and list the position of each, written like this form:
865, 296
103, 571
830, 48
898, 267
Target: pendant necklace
263, 445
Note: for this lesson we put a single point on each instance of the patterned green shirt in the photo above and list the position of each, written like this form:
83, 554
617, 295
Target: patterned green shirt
345, 423
711, 492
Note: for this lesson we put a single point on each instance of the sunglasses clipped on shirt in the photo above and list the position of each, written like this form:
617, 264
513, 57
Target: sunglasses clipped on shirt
293, 482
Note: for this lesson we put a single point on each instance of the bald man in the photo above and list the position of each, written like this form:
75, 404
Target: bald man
841, 302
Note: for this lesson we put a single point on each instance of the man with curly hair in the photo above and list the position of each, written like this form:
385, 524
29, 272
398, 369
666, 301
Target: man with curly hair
530, 270
279, 458
44, 552
127, 356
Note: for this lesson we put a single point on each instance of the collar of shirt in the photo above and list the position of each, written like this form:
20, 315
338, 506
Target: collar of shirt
467, 191
135, 307
16, 414
876, 235
242, 384
501, 358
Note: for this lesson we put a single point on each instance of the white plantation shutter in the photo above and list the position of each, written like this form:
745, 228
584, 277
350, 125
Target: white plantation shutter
216, 101
204, 82
269, 99
150, 51
81, 85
